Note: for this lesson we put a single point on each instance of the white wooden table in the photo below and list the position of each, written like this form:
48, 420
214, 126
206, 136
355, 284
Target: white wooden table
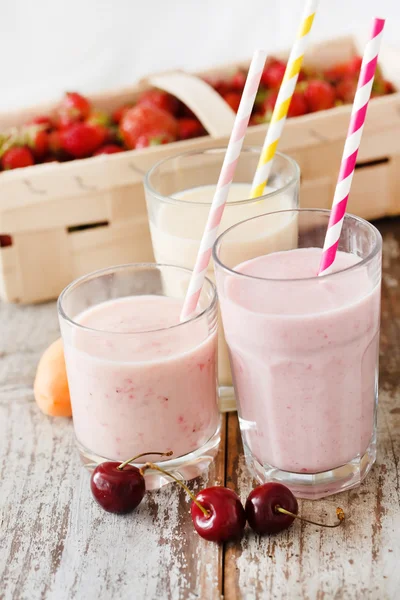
57, 544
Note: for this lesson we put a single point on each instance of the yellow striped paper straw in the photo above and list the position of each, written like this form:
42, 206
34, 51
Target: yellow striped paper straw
283, 101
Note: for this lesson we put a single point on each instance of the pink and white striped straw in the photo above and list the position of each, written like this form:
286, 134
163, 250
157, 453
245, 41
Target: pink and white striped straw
347, 167
224, 182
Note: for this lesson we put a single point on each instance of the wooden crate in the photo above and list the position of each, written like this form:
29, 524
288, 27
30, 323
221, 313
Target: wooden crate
68, 219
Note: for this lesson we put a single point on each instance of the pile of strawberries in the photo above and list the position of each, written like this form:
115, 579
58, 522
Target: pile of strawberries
78, 130
316, 89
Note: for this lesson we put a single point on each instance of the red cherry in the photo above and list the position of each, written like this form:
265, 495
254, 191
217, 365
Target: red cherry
271, 508
117, 490
223, 517
119, 487
217, 513
261, 506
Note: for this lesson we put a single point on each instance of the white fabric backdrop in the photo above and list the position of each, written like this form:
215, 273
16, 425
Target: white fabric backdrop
47, 46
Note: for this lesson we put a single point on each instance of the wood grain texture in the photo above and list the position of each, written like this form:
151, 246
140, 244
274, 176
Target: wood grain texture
361, 560
56, 544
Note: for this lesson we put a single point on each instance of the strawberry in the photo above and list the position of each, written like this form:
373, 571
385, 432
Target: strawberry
36, 138
346, 89
190, 128
73, 108
273, 74
43, 120
119, 112
49, 159
269, 105
256, 120
55, 144
302, 76
298, 105
104, 134
185, 112
16, 158
40, 144
220, 85
160, 99
350, 68
233, 99
319, 95
99, 117
260, 99
108, 149
389, 87
238, 80
81, 140
354, 65
5, 240
143, 119
153, 138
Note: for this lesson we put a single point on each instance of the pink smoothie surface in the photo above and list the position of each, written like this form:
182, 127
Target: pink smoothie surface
141, 382
304, 356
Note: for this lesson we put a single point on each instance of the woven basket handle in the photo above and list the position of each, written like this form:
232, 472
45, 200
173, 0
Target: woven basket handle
208, 106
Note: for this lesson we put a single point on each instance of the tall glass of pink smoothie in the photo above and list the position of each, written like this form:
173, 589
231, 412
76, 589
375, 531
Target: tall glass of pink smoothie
141, 381
304, 352
179, 191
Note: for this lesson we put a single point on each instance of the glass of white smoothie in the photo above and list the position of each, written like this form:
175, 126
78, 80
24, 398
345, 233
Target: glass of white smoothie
141, 381
304, 351
179, 191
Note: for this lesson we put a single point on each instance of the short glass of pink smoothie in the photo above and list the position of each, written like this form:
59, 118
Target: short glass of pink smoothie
179, 191
141, 381
304, 352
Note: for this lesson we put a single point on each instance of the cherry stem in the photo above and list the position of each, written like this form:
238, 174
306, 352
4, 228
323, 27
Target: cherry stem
339, 513
122, 465
205, 512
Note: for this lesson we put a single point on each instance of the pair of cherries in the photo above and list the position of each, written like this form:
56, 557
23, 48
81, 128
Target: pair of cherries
217, 512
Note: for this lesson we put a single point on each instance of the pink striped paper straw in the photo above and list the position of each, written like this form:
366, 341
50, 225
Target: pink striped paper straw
347, 167
224, 182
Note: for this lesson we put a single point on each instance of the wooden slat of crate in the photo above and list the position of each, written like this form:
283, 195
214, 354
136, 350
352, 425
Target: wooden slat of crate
119, 243
43, 262
9, 275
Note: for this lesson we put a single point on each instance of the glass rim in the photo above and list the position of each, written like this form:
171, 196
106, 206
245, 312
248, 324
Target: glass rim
76, 283
324, 211
246, 149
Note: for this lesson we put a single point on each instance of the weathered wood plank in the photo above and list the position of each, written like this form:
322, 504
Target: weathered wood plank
55, 542
360, 561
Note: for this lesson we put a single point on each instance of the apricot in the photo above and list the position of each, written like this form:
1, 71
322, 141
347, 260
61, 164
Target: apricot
51, 384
